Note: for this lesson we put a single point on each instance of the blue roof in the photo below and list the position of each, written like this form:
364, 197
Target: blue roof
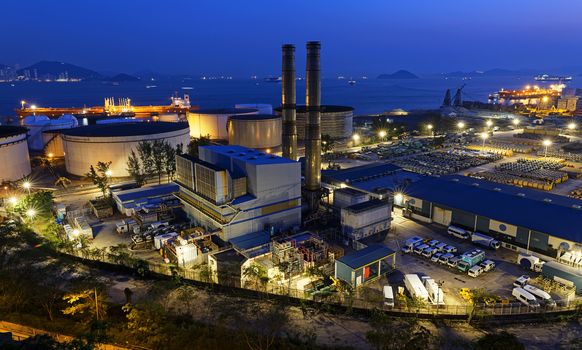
242, 199
365, 256
146, 192
248, 155
372, 177
251, 240
535, 210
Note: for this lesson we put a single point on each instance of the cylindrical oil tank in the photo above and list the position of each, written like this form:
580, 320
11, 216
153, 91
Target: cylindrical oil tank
14, 158
53, 143
37, 124
336, 121
85, 146
118, 120
263, 108
260, 131
169, 117
212, 122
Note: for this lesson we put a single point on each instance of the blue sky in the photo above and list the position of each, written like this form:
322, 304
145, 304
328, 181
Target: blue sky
243, 37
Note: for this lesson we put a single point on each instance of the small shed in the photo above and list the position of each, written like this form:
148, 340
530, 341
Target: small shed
365, 265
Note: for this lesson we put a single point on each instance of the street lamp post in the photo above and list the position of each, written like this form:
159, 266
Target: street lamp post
26, 185
546, 144
461, 126
515, 122
382, 135
489, 124
356, 138
484, 136
430, 127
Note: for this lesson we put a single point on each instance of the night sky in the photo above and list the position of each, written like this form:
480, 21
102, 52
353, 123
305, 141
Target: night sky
243, 37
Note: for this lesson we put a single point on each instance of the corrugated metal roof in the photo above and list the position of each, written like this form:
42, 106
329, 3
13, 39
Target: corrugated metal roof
251, 240
556, 215
359, 207
366, 256
145, 192
247, 155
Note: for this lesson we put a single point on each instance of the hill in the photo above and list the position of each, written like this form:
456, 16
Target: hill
401, 74
54, 70
122, 77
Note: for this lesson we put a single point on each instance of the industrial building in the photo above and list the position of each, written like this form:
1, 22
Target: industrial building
36, 125
345, 197
523, 219
261, 131
85, 146
130, 201
365, 219
13, 153
237, 190
365, 265
336, 121
212, 123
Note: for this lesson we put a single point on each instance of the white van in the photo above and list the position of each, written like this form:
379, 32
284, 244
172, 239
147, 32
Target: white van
544, 296
488, 265
459, 232
475, 271
525, 297
388, 296
521, 281
420, 248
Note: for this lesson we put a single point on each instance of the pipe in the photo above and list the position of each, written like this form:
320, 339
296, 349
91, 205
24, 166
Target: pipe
288, 97
313, 127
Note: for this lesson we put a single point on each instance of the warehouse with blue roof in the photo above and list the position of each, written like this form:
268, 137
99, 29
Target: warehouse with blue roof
523, 219
365, 265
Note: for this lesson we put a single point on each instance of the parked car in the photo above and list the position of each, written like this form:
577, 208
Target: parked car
521, 281
420, 248
433, 242
435, 257
444, 259
453, 261
428, 252
441, 246
475, 271
450, 249
488, 265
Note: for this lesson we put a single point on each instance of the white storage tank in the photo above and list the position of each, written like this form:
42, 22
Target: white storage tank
37, 124
169, 117
212, 122
118, 120
14, 158
263, 108
336, 121
85, 146
259, 131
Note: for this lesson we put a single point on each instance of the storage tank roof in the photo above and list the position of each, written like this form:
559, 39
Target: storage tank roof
125, 129
232, 111
324, 109
9, 130
255, 117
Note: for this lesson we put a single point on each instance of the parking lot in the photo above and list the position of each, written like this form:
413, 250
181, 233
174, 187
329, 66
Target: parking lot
498, 281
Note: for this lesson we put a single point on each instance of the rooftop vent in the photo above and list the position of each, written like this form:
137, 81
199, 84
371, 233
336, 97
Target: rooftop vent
521, 194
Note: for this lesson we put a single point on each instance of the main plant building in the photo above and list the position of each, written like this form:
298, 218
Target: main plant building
237, 190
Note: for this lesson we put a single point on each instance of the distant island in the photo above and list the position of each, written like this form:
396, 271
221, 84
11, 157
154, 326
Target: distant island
401, 74
496, 72
59, 71
122, 78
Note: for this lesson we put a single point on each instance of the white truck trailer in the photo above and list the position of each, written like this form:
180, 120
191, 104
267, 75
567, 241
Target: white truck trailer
415, 287
435, 293
485, 241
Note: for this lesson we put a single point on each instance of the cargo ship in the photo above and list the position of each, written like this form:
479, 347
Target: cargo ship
546, 77
111, 107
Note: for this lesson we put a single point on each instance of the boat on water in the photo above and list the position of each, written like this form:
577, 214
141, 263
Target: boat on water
352, 82
151, 86
546, 77
187, 88
273, 79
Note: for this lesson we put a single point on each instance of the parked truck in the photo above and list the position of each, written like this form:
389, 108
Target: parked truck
470, 259
415, 287
435, 292
485, 241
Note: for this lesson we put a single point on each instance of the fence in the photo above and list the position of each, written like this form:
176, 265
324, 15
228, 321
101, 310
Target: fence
232, 284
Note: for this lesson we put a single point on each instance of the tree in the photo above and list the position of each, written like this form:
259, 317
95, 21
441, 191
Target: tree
100, 176
499, 341
256, 275
134, 168
169, 160
197, 142
327, 143
88, 302
390, 333
145, 152
158, 158
146, 322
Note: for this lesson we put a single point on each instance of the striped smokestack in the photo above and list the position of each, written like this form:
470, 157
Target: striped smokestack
288, 103
313, 127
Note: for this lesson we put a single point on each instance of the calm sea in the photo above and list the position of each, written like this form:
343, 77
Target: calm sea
366, 96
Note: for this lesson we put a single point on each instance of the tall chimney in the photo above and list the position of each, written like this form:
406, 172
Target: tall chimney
288, 103
313, 128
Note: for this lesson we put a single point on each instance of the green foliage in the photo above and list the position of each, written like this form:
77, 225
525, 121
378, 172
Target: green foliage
88, 304
327, 143
134, 169
390, 333
40, 201
98, 175
146, 322
499, 341
197, 142
154, 158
